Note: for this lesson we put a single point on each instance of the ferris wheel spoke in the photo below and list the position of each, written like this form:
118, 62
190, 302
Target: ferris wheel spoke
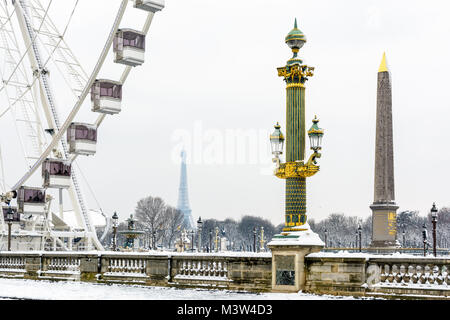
25, 94
58, 135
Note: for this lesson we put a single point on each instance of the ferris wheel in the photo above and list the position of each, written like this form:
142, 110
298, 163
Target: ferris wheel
50, 135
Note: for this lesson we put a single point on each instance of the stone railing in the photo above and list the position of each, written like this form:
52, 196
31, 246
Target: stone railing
341, 273
234, 271
202, 269
127, 266
64, 265
12, 266
55, 266
374, 275
426, 276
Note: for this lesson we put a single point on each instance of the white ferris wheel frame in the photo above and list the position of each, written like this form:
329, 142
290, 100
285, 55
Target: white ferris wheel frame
78, 81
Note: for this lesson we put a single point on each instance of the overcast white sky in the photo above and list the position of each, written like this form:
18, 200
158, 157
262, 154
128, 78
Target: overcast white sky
210, 75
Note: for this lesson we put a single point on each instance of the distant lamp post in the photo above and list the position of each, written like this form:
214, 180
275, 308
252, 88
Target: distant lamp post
10, 218
262, 241
360, 237
199, 232
216, 240
192, 240
277, 143
210, 241
115, 221
424, 236
404, 235
434, 212
254, 239
326, 236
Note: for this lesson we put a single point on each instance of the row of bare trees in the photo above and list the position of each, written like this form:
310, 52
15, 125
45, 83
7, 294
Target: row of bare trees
163, 224
341, 230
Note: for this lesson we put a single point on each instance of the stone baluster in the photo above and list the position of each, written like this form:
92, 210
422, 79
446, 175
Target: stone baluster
446, 275
221, 273
214, 269
390, 276
395, 274
384, 273
421, 274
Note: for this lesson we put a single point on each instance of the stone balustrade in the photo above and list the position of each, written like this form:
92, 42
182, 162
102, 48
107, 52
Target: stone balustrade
375, 275
64, 264
12, 266
127, 266
202, 269
341, 273
419, 275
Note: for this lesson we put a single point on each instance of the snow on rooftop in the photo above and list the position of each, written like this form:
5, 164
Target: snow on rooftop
97, 219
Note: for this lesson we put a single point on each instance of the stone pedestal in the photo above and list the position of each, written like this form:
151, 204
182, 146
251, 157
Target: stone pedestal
384, 225
288, 257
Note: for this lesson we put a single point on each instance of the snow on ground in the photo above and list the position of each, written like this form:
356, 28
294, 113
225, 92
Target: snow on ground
47, 290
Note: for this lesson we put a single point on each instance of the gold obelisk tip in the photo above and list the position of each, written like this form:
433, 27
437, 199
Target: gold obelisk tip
383, 64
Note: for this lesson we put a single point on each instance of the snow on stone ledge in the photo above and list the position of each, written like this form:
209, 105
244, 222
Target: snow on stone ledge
305, 238
340, 254
347, 254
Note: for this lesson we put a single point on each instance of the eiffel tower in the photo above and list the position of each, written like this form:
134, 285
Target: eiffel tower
183, 197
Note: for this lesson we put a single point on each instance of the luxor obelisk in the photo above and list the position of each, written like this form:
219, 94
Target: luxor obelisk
384, 225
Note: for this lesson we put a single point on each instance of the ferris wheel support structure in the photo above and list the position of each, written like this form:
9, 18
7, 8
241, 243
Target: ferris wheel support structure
81, 89
49, 106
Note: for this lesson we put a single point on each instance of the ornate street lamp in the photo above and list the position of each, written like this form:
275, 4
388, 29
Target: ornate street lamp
404, 235
277, 143
262, 240
360, 237
210, 241
216, 240
254, 239
434, 212
9, 218
192, 240
326, 236
115, 221
295, 169
199, 232
424, 236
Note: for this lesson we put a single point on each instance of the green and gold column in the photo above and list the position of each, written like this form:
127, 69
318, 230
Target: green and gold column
290, 247
295, 170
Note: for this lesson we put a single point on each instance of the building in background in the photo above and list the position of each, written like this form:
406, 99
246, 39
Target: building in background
183, 196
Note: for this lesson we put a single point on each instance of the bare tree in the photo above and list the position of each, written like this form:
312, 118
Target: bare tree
150, 213
172, 222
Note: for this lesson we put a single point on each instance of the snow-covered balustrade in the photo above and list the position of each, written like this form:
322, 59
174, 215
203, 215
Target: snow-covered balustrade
64, 264
377, 275
60, 267
127, 266
232, 270
202, 270
227, 270
12, 264
430, 273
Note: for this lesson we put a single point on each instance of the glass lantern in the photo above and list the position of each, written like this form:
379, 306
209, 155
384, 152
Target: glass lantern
115, 219
434, 211
10, 215
315, 135
277, 141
